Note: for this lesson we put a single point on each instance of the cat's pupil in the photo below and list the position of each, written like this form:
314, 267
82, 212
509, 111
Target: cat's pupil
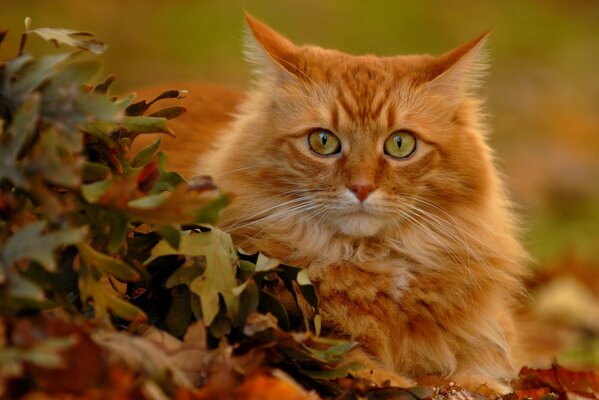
325, 138
398, 141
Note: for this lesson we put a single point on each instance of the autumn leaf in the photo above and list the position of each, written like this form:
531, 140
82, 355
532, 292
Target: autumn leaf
105, 299
13, 139
32, 244
561, 380
218, 277
107, 264
58, 36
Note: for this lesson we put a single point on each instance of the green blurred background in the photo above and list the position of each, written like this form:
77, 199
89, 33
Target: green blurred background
542, 92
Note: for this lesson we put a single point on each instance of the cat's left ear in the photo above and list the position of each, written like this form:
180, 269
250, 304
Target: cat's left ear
457, 72
273, 54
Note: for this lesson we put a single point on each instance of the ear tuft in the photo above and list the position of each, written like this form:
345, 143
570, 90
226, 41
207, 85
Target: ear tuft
459, 71
269, 51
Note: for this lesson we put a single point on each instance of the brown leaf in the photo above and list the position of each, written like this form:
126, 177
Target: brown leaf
85, 363
148, 177
531, 393
561, 380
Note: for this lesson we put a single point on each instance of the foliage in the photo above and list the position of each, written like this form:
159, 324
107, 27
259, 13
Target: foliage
91, 231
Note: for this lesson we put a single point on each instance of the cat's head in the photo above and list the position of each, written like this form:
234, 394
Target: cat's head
360, 144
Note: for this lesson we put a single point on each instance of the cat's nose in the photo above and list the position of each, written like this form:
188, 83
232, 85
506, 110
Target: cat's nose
362, 191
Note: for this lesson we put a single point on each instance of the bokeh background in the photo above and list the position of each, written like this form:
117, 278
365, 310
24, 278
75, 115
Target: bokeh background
542, 95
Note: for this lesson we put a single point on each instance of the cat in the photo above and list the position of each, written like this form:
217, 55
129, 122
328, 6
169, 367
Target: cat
374, 173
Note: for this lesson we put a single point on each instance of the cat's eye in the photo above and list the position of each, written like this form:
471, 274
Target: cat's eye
324, 142
400, 144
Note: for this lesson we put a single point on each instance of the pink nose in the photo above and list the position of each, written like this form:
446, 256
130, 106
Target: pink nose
362, 191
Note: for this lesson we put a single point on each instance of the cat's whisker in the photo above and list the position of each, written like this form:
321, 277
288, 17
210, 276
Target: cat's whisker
259, 231
231, 171
434, 236
451, 231
277, 196
445, 228
322, 211
265, 211
462, 243
282, 214
485, 245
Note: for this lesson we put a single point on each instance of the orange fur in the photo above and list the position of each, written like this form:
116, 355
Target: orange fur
426, 272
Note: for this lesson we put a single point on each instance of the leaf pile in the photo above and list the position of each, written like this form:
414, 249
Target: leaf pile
103, 251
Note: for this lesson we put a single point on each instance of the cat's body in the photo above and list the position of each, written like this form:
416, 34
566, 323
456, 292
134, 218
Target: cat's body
415, 256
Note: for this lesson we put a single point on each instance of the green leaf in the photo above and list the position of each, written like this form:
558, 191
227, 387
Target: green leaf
171, 234
179, 313
93, 191
210, 213
220, 327
145, 125
69, 37
74, 73
167, 181
31, 244
21, 288
125, 102
117, 223
145, 155
142, 106
270, 304
149, 202
248, 301
13, 138
124, 309
170, 94
102, 131
218, 278
338, 351
186, 273
63, 280
103, 87
54, 162
104, 299
128, 127
93, 171
196, 306
169, 112
32, 72
317, 324
107, 264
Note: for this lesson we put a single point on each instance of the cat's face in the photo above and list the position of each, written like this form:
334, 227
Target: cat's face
365, 144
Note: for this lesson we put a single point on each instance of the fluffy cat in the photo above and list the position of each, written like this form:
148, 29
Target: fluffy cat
375, 175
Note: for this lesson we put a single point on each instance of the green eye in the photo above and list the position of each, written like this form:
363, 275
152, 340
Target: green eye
324, 142
400, 144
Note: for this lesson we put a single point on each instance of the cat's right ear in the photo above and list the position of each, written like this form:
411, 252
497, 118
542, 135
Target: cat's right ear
273, 55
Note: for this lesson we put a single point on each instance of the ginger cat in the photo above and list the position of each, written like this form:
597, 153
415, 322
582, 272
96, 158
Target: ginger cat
375, 175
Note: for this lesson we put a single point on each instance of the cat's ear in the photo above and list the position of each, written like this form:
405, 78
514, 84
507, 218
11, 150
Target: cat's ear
270, 52
455, 73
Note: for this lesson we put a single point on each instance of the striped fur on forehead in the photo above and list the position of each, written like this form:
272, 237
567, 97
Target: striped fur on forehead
351, 89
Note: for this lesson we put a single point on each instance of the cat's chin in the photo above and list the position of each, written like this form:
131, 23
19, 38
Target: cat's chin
359, 225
